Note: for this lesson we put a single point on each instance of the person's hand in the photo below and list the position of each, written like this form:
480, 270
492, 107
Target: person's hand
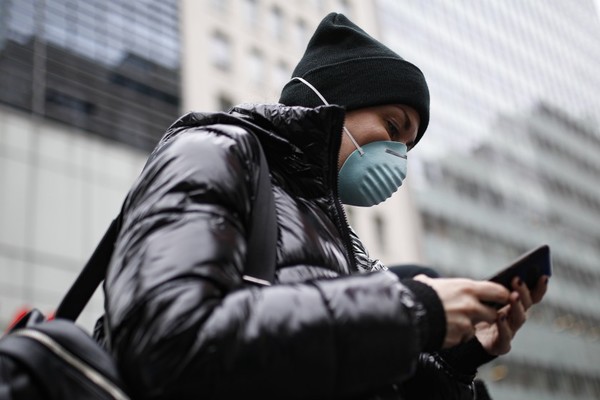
462, 300
496, 337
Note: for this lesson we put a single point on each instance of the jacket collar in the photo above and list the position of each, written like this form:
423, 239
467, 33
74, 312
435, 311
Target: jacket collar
313, 132
302, 142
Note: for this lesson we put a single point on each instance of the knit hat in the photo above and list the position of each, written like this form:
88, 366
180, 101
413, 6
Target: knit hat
352, 69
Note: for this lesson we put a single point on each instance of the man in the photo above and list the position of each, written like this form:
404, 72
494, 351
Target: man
333, 325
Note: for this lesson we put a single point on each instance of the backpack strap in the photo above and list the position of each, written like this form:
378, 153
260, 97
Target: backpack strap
260, 258
262, 243
90, 277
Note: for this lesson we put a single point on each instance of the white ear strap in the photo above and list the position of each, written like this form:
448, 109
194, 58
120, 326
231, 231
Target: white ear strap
360, 150
314, 89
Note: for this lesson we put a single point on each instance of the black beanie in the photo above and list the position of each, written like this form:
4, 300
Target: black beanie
352, 69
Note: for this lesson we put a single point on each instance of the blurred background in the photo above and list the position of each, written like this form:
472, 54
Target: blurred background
510, 160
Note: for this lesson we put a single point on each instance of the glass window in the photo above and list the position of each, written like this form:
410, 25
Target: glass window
345, 8
276, 25
225, 102
257, 67
220, 5
319, 5
21, 24
251, 12
281, 75
300, 34
221, 51
103, 60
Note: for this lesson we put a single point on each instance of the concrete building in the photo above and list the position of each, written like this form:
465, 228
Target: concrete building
509, 162
245, 50
86, 89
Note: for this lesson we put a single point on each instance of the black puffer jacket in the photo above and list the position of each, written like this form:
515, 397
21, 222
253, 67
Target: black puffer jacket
179, 320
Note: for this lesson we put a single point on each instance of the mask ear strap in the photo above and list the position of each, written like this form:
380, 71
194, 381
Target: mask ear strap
360, 150
314, 89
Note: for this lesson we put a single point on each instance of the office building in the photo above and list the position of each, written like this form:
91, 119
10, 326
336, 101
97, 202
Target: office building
86, 89
238, 51
509, 162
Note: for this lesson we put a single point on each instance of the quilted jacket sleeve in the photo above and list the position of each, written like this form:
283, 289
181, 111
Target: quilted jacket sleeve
444, 374
449, 372
180, 324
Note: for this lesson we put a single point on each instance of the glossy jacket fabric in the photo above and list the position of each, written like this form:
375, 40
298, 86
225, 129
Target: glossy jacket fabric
178, 318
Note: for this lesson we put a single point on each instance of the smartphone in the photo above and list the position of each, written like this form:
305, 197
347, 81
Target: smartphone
529, 267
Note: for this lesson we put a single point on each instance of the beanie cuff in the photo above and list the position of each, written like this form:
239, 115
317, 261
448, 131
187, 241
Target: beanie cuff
352, 69
374, 81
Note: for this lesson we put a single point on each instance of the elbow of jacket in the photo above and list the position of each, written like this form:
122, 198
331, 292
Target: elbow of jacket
161, 369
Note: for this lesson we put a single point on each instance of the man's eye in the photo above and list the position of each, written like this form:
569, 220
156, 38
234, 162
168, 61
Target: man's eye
393, 131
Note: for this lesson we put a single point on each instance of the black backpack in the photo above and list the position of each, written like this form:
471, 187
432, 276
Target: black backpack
56, 359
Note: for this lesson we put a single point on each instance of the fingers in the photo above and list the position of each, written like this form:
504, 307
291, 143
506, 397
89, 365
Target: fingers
491, 292
423, 278
540, 289
529, 298
525, 296
476, 293
462, 300
482, 313
516, 313
468, 334
505, 335
460, 329
496, 338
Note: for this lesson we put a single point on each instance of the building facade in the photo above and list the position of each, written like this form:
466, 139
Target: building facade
238, 51
86, 89
510, 162
244, 51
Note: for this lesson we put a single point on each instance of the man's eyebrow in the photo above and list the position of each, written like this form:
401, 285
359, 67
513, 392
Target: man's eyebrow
406, 118
407, 121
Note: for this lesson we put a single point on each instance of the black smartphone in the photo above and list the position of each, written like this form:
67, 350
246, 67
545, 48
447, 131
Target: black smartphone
529, 267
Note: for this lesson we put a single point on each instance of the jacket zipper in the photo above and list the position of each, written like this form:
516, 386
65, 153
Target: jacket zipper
341, 211
74, 362
347, 240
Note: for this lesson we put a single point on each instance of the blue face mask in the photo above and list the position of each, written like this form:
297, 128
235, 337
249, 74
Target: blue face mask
372, 173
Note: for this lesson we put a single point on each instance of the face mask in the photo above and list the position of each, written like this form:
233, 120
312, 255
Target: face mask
372, 173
